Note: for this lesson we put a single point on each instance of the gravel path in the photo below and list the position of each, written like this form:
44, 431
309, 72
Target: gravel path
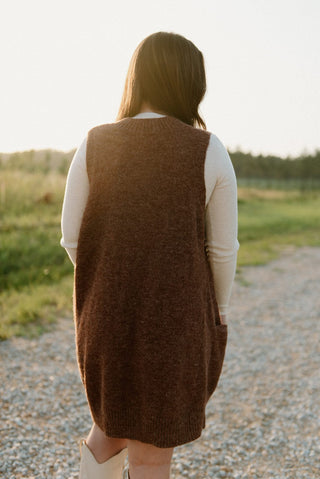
262, 422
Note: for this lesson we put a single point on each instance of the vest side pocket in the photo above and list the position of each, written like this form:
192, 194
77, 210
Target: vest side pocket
218, 350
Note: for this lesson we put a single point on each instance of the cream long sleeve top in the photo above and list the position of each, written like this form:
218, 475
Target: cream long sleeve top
221, 211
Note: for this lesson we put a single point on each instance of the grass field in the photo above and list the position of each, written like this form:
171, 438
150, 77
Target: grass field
36, 275
272, 220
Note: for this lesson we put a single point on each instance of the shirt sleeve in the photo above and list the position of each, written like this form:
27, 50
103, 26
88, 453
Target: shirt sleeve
221, 220
74, 202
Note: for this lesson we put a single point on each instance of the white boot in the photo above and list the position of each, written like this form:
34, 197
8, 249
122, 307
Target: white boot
91, 469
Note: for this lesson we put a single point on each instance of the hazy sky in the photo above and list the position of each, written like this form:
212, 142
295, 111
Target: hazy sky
63, 66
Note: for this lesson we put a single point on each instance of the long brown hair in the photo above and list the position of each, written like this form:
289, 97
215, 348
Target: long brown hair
166, 71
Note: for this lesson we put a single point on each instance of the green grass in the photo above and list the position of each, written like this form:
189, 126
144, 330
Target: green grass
36, 275
269, 222
31, 310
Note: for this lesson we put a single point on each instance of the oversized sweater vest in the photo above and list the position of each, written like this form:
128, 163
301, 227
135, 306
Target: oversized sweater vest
150, 345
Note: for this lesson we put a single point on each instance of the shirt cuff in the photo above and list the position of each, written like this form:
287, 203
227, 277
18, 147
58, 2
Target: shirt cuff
66, 244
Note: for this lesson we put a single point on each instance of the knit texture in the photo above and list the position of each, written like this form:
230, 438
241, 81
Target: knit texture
150, 344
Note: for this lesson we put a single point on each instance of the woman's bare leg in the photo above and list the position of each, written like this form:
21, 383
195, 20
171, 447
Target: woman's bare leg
102, 446
147, 461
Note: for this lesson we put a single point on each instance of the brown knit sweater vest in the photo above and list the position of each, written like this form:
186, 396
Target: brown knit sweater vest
149, 341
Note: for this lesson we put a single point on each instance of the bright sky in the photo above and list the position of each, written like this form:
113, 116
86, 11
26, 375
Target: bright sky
63, 66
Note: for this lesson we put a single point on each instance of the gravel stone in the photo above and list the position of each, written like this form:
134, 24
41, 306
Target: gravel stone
262, 422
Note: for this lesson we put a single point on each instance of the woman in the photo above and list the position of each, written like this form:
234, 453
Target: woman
150, 222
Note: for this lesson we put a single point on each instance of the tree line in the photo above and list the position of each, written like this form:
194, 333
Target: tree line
303, 167
37, 161
246, 165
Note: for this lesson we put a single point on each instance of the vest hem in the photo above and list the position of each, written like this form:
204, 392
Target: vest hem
155, 430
